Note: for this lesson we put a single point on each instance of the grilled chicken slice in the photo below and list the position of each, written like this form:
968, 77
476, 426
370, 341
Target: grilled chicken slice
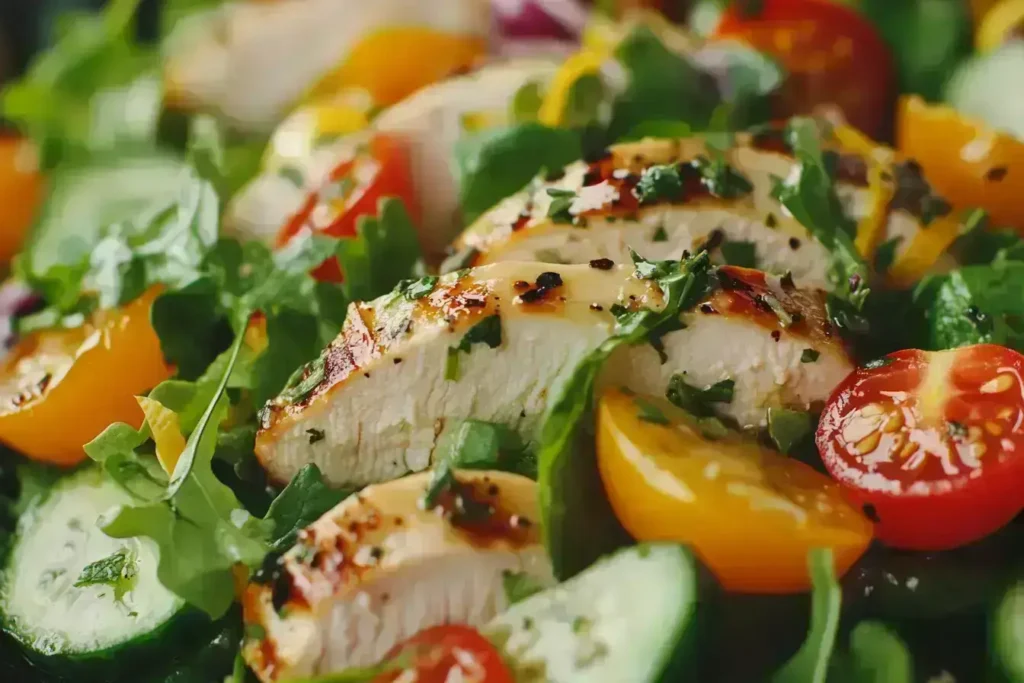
379, 568
395, 375
496, 342
607, 217
772, 340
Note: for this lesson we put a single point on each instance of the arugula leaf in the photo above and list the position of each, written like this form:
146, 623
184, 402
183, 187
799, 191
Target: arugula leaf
663, 86
198, 524
74, 97
810, 196
117, 571
306, 498
519, 586
810, 663
475, 445
383, 252
578, 523
978, 305
875, 655
498, 163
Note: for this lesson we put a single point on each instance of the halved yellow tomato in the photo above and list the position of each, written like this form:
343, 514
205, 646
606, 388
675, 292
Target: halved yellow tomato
751, 515
391, 64
60, 388
967, 162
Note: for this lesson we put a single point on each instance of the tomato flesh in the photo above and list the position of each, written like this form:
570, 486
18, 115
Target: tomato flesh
380, 169
833, 56
447, 653
932, 442
750, 514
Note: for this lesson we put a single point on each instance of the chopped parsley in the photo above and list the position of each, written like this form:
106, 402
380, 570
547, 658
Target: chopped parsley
487, 331
519, 586
809, 356
660, 235
699, 402
417, 289
721, 179
561, 203
315, 435
659, 183
117, 571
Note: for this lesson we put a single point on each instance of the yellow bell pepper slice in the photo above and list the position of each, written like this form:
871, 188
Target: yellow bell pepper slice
871, 228
166, 429
998, 24
925, 249
584, 63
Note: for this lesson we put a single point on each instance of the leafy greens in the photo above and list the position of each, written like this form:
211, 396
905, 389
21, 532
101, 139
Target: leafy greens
578, 526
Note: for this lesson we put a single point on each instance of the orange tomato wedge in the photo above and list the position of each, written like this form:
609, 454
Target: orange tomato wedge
750, 514
968, 163
393, 63
60, 388
20, 192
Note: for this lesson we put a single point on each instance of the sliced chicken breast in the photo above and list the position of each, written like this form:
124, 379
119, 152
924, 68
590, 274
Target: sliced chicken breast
607, 218
396, 373
380, 567
497, 342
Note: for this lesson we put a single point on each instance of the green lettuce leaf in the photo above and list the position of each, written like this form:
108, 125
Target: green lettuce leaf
578, 524
977, 305
302, 502
74, 98
663, 86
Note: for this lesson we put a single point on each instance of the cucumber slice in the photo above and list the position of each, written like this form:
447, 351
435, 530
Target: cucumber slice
626, 618
85, 199
983, 88
56, 539
1008, 634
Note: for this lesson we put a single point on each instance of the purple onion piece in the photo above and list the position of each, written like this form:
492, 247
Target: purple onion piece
538, 19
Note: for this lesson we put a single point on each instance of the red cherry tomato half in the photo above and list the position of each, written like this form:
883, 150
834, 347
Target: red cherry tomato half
833, 56
379, 169
447, 653
931, 443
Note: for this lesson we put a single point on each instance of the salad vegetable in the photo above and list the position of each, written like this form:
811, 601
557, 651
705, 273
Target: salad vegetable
508, 341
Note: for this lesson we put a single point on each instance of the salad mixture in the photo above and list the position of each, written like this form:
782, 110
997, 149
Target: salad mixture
515, 341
